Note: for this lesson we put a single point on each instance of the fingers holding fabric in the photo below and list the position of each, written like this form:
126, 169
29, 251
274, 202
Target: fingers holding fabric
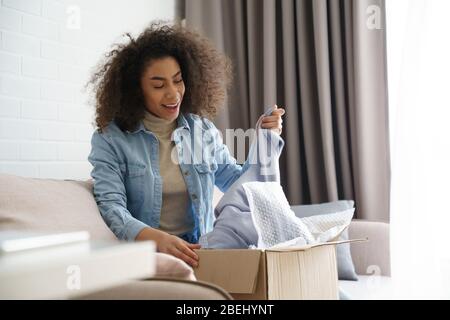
274, 121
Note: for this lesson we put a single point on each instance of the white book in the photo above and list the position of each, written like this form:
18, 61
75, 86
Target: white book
15, 241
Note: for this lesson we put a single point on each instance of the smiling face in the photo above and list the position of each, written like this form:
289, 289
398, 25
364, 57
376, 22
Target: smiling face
163, 88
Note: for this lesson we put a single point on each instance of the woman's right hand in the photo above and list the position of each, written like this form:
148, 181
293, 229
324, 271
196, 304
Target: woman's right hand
171, 244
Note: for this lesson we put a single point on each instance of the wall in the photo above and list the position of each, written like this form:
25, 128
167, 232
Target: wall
47, 51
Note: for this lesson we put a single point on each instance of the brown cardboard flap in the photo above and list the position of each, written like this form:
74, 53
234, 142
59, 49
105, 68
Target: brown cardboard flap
309, 246
302, 274
235, 270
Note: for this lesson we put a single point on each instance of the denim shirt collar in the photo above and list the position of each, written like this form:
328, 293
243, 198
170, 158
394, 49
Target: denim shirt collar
181, 123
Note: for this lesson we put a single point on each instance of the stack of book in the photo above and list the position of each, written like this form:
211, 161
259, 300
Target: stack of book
17, 241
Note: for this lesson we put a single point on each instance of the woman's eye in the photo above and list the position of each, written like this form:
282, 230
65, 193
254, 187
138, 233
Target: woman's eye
162, 86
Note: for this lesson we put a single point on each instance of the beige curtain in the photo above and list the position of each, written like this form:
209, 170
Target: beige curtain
325, 62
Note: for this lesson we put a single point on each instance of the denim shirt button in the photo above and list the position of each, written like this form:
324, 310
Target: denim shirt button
194, 196
186, 173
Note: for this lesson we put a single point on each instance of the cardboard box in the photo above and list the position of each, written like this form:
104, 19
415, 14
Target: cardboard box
307, 272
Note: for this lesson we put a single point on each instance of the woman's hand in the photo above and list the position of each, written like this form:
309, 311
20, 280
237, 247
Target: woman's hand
274, 121
172, 245
179, 248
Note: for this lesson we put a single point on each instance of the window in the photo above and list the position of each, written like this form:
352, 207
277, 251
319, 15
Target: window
418, 34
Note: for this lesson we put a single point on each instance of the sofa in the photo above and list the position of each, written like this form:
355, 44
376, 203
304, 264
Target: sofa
51, 205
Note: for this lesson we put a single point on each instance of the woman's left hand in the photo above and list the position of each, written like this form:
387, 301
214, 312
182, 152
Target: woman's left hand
274, 121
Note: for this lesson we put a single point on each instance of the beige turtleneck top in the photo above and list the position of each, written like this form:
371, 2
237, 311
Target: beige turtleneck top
175, 198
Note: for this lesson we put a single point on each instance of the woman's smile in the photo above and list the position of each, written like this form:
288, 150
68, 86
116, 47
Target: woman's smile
172, 107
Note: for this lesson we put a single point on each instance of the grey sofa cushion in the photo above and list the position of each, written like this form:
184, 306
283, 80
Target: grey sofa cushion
346, 268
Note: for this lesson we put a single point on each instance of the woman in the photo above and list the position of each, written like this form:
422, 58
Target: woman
153, 95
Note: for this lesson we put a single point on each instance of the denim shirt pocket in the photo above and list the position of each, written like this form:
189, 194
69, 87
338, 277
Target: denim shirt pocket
134, 178
205, 173
205, 167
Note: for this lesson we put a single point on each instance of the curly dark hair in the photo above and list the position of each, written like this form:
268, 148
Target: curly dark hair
116, 80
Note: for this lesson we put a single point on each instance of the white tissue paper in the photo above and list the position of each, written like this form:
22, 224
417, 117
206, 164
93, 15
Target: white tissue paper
277, 225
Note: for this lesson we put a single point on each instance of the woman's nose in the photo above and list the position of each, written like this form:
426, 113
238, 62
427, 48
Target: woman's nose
172, 93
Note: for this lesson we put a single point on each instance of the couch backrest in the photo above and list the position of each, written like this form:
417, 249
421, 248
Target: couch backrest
371, 257
50, 205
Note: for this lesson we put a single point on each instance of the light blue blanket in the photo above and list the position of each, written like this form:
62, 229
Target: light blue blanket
233, 227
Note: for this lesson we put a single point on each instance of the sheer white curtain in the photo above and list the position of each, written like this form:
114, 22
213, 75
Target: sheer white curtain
418, 34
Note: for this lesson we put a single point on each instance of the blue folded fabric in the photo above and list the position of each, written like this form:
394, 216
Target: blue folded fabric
233, 227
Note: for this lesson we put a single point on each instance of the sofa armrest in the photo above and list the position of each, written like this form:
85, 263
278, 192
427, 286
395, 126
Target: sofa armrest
373, 256
161, 289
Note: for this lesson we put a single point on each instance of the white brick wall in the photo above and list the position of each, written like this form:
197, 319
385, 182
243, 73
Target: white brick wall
45, 61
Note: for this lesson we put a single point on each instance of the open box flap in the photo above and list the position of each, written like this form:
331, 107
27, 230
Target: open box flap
309, 246
235, 270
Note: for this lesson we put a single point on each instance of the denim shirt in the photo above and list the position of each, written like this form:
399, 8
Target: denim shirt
128, 184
